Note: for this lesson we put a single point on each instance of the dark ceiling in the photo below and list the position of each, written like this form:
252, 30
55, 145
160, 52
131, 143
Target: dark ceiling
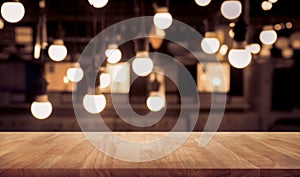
186, 11
81, 21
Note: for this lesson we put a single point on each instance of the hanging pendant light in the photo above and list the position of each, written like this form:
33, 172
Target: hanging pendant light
75, 73
238, 56
58, 51
113, 54
98, 3
210, 43
156, 101
41, 33
231, 9
202, 2
162, 19
142, 64
41, 108
268, 35
94, 103
12, 12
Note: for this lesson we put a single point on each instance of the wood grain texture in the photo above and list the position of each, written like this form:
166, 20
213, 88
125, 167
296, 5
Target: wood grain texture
228, 154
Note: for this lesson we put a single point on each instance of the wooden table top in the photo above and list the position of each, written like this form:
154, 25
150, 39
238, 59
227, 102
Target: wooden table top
228, 154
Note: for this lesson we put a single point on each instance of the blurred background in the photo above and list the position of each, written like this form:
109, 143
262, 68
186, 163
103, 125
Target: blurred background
39, 66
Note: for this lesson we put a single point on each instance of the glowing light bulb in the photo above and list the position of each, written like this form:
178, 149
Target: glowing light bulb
253, 48
37, 51
202, 2
105, 80
210, 44
239, 58
223, 49
156, 101
231, 9
57, 51
12, 12
41, 108
113, 54
142, 65
94, 103
75, 73
98, 3
266, 5
289, 25
273, 1
268, 36
162, 19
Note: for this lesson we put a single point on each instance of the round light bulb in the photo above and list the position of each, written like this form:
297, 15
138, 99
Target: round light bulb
105, 80
75, 74
155, 102
41, 110
98, 3
57, 51
12, 12
113, 54
142, 65
289, 25
268, 36
94, 103
162, 19
253, 48
202, 2
266, 5
231, 9
210, 45
239, 58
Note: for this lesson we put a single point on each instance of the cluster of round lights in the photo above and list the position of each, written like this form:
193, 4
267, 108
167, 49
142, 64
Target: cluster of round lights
142, 65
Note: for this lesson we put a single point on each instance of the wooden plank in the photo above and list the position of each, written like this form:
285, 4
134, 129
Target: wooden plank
228, 154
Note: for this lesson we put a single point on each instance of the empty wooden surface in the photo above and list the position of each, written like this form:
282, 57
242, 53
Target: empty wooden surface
228, 154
